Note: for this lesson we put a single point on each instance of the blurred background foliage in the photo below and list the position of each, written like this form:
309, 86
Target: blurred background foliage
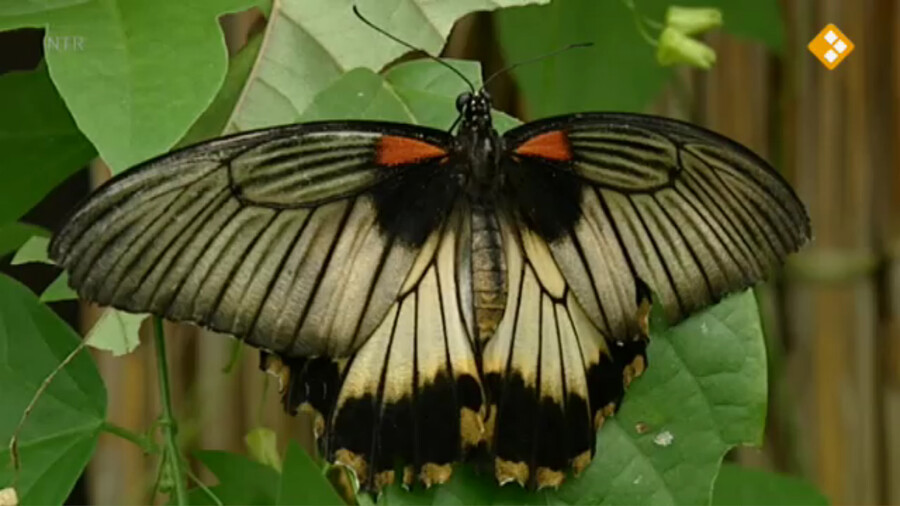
832, 335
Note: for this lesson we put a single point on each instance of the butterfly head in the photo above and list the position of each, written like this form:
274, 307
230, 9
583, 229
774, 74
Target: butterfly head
474, 107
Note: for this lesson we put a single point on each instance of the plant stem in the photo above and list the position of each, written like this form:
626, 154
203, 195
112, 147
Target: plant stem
639, 21
172, 456
139, 439
209, 493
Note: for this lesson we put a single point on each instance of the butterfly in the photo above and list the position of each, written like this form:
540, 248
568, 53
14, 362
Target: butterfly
430, 294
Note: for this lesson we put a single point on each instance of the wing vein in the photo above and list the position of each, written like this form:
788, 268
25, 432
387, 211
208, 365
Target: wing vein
678, 300
281, 263
321, 274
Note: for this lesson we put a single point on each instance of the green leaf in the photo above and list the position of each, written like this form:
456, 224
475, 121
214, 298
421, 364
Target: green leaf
418, 92
214, 119
14, 234
21, 7
241, 480
136, 74
310, 44
33, 251
358, 94
58, 290
61, 433
619, 73
703, 392
262, 443
116, 331
741, 486
40, 143
430, 89
302, 481
465, 487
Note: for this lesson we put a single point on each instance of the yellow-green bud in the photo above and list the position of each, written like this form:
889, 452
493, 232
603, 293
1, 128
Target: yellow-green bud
675, 47
693, 20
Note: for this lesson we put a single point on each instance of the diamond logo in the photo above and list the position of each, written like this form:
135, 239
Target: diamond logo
831, 46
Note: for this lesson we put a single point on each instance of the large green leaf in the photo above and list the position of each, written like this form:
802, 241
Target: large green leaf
20, 7
302, 481
135, 74
61, 433
704, 392
620, 72
309, 44
40, 144
419, 92
752, 487
241, 480
213, 120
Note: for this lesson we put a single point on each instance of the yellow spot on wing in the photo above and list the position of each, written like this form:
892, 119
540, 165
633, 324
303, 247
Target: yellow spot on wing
435, 474
507, 471
581, 462
471, 428
384, 479
355, 462
547, 477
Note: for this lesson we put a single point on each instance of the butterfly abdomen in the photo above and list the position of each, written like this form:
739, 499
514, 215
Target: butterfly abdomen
488, 271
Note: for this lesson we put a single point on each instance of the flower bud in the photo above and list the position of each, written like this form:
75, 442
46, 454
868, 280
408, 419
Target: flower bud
693, 20
675, 47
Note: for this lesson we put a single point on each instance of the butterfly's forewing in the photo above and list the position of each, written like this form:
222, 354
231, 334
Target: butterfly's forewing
601, 206
297, 239
691, 213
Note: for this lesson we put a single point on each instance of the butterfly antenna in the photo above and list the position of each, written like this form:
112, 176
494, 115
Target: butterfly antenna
414, 48
536, 58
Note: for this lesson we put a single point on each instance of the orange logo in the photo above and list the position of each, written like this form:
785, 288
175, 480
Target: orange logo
830, 46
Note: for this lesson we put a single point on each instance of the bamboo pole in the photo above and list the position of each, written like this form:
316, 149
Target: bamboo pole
888, 42
835, 322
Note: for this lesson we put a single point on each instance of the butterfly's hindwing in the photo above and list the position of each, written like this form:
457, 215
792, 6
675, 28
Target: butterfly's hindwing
551, 375
411, 396
297, 239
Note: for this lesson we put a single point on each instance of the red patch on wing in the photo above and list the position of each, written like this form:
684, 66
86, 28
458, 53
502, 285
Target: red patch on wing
550, 145
394, 150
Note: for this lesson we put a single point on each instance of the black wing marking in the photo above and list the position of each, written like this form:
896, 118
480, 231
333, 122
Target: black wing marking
641, 198
295, 238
